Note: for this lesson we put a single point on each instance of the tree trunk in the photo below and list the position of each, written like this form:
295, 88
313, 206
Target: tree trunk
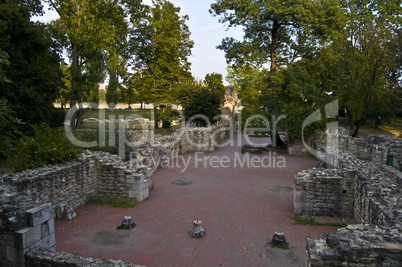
358, 123
74, 71
80, 111
356, 130
156, 117
274, 46
142, 105
276, 140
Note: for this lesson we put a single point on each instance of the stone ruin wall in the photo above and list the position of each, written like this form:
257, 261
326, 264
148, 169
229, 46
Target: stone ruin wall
363, 187
91, 174
45, 258
323, 193
356, 245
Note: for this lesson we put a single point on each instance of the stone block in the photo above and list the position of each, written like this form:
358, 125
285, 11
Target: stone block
139, 194
40, 214
28, 236
16, 256
47, 228
130, 180
47, 242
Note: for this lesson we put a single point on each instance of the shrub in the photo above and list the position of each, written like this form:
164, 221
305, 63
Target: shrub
47, 146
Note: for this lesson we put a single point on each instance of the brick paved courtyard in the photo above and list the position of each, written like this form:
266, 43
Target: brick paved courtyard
241, 207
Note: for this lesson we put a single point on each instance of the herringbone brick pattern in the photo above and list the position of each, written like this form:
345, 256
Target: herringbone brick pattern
240, 208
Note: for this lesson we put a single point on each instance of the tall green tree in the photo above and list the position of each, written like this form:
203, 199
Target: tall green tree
214, 81
201, 104
34, 64
87, 28
271, 66
370, 60
276, 31
164, 44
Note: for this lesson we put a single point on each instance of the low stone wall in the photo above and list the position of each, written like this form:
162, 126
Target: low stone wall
356, 245
356, 189
71, 182
45, 258
296, 147
321, 192
359, 183
378, 197
91, 174
379, 149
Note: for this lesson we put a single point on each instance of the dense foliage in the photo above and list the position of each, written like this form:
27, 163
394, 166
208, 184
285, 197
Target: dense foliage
201, 101
163, 45
33, 68
317, 51
47, 146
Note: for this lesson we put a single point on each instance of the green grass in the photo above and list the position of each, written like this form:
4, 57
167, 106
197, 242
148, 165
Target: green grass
311, 221
394, 129
286, 246
114, 202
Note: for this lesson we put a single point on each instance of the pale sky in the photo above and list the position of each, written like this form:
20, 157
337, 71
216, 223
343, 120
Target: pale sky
206, 32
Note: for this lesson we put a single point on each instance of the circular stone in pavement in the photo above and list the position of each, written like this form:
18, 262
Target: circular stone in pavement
181, 182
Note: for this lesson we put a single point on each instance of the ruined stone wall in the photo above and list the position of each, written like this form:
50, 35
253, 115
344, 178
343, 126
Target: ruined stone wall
45, 258
377, 148
296, 147
356, 245
72, 182
321, 192
91, 174
376, 205
202, 139
378, 197
356, 189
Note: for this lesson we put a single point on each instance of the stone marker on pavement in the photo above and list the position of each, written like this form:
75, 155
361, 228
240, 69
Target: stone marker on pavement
197, 230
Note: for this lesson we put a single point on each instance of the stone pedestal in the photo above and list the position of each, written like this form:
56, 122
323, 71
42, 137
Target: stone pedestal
278, 239
65, 212
128, 223
197, 230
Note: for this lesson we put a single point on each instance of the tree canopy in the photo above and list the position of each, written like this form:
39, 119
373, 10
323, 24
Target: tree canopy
297, 56
33, 68
201, 100
163, 45
275, 30
87, 29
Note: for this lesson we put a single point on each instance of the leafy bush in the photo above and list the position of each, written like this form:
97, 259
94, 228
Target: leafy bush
47, 146
8, 128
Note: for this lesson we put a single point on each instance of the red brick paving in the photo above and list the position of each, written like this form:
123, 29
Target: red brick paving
240, 208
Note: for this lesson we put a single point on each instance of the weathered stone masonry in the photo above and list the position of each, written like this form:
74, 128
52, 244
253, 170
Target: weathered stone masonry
92, 174
363, 187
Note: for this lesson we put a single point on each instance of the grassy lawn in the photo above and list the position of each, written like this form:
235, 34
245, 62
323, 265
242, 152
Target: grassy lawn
393, 130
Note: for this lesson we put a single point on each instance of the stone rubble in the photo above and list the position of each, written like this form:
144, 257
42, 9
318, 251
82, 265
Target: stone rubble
360, 185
